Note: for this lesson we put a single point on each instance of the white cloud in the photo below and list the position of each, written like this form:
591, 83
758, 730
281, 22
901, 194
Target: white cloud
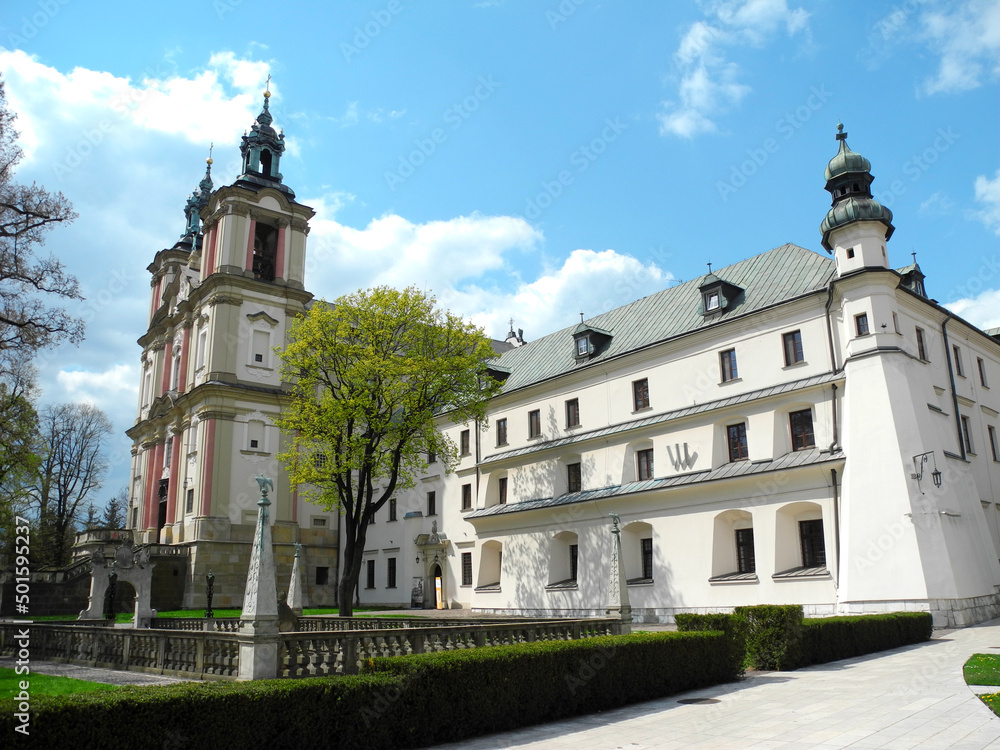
708, 83
353, 114
982, 310
107, 389
988, 196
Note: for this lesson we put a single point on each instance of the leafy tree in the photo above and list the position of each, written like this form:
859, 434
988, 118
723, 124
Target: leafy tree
114, 511
27, 320
19, 439
70, 469
372, 373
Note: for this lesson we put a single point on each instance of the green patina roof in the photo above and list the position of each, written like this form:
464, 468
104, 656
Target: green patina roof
846, 161
776, 276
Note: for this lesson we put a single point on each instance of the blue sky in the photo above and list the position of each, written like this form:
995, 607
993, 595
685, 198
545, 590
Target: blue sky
519, 159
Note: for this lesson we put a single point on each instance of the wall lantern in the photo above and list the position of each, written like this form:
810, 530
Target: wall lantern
919, 461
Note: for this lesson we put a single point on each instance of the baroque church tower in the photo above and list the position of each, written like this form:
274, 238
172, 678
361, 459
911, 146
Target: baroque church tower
223, 298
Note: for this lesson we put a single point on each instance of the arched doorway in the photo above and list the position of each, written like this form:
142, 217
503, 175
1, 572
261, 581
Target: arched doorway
437, 581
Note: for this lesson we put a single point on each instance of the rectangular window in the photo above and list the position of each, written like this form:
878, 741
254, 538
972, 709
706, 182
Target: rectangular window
390, 573
432, 457
573, 412
502, 431
466, 497
261, 347
583, 346
640, 394
736, 435
647, 558
573, 479
534, 423
994, 447
982, 372
370, 577
319, 461
967, 434
727, 365
921, 346
135, 517
574, 559
644, 464
745, 562
466, 568
711, 301
895, 322
802, 429
861, 324
319, 523
502, 491
322, 576
392, 509
463, 441
432, 503
793, 347
189, 502
958, 361
813, 543
202, 347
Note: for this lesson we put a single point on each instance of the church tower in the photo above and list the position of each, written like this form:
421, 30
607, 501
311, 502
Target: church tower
223, 300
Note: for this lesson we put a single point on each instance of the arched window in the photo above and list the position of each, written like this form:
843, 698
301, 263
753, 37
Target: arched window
265, 249
800, 540
490, 565
733, 553
637, 552
564, 560
265, 162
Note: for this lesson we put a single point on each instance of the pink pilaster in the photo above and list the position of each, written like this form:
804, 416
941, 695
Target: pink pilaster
206, 468
253, 231
185, 347
279, 261
210, 255
167, 367
175, 461
147, 507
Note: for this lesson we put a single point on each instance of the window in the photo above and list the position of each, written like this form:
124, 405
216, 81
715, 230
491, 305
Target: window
711, 301
958, 361
319, 523
432, 457
861, 324
640, 394
432, 503
502, 491
202, 347
646, 550
745, 562
534, 423
466, 568
573, 412
390, 573
255, 435
793, 347
502, 431
392, 509
574, 558
135, 517
463, 441
921, 346
261, 346
982, 372
370, 577
737, 438
644, 461
189, 502
850, 252
322, 576
175, 377
967, 434
895, 322
727, 365
813, 543
802, 429
994, 447
319, 460
583, 346
573, 480
466, 497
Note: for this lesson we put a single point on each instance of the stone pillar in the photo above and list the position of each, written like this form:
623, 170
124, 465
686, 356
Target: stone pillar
618, 603
297, 587
258, 633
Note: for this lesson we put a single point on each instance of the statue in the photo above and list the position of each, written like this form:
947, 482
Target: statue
109, 596
264, 483
209, 591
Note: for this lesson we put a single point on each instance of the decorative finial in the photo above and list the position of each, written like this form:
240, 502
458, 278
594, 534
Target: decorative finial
914, 254
267, 87
581, 317
615, 520
841, 135
710, 266
209, 161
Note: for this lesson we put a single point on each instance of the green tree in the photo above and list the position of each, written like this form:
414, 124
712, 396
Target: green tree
372, 374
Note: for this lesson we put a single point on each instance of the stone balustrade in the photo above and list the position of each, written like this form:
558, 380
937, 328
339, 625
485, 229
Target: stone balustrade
209, 624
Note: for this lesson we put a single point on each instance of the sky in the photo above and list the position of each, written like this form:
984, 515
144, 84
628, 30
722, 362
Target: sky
518, 159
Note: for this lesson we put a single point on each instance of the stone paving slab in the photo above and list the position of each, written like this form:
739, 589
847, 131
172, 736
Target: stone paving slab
911, 697
92, 674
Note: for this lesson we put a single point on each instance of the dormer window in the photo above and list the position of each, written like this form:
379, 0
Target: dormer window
589, 341
718, 295
711, 301
583, 346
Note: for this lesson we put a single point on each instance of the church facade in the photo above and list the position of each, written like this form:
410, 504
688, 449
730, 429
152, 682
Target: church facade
794, 428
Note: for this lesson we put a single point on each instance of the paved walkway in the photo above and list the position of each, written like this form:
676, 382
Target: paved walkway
913, 697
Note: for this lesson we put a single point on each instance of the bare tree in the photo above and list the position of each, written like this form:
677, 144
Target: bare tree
19, 439
28, 283
71, 468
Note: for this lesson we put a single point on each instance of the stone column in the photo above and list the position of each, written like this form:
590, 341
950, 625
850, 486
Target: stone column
297, 587
618, 603
258, 633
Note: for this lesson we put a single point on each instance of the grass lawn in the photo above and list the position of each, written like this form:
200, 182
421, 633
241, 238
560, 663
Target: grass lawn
993, 701
127, 616
43, 684
982, 669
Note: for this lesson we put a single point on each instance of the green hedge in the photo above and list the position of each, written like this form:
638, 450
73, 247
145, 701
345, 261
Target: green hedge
396, 703
732, 626
773, 635
831, 638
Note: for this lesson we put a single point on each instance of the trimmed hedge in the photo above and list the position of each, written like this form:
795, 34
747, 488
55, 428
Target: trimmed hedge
398, 702
773, 635
832, 638
732, 626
